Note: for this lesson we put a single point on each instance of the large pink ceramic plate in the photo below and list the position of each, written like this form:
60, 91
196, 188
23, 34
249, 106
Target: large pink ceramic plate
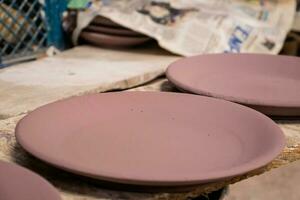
151, 138
270, 84
18, 183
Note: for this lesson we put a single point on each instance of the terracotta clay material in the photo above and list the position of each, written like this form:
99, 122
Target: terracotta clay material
151, 138
267, 83
112, 40
99, 20
19, 183
112, 31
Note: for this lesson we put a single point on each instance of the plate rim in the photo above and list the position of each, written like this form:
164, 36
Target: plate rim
121, 37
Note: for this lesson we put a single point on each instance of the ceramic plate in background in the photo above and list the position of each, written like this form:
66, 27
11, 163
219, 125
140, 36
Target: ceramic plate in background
99, 20
113, 31
267, 83
101, 39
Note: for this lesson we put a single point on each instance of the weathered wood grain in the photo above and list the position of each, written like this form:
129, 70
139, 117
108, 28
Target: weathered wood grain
81, 70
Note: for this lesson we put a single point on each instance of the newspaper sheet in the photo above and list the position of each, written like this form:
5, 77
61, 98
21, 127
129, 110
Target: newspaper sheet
296, 26
200, 26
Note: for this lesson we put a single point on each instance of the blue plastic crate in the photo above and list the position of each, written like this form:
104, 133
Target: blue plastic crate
28, 27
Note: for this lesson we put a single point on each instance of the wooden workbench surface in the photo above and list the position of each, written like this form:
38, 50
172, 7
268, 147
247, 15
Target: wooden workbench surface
74, 187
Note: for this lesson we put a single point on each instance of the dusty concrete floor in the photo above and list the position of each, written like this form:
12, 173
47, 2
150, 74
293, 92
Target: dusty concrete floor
279, 184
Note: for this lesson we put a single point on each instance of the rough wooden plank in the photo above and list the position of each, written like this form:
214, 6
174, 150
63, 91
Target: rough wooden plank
81, 70
72, 187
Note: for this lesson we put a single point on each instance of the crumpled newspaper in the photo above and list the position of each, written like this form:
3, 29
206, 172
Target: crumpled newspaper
200, 26
296, 26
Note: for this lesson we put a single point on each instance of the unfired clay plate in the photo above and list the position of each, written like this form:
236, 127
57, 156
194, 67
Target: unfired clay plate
18, 183
151, 138
99, 20
102, 39
270, 84
112, 31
